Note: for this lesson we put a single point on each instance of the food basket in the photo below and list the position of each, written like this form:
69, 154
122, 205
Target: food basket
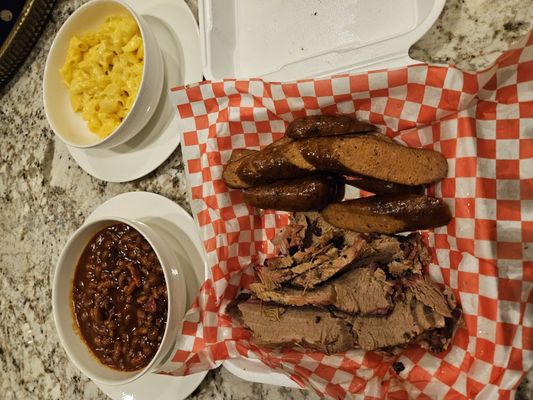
481, 122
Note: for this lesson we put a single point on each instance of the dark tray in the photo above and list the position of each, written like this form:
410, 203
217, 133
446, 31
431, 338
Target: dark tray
21, 24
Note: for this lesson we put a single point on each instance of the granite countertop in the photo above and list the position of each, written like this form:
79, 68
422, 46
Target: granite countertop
45, 196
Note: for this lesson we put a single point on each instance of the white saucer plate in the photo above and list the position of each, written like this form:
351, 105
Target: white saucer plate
177, 34
177, 226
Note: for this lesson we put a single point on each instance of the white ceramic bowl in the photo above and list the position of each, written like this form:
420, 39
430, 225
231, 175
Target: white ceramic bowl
70, 126
69, 336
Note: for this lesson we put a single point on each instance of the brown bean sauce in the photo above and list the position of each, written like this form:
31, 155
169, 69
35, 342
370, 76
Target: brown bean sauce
120, 298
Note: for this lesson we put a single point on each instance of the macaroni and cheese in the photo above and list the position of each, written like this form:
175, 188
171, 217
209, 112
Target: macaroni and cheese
103, 71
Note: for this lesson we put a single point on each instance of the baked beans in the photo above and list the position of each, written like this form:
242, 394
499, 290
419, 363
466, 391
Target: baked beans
120, 298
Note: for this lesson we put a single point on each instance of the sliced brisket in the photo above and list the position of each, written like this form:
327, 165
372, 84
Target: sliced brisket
407, 253
398, 328
363, 291
352, 251
429, 294
309, 327
423, 314
423, 308
413, 258
273, 278
323, 296
283, 269
279, 262
439, 339
292, 235
322, 252
358, 291
332, 290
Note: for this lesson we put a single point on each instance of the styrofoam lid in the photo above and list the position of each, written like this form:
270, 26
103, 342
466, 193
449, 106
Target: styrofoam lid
292, 39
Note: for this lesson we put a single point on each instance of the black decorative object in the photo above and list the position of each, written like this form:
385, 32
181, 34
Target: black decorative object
21, 24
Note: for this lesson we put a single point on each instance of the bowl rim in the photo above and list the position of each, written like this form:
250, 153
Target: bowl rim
62, 264
47, 67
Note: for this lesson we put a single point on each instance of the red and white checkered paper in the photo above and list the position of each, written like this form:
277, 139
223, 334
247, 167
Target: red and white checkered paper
481, 122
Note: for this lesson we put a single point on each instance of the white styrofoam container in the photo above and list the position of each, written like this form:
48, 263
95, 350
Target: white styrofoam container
284, 40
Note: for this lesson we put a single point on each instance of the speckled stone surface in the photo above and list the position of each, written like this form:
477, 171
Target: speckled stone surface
45, 196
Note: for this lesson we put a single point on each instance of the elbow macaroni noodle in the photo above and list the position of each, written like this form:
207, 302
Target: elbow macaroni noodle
103, 71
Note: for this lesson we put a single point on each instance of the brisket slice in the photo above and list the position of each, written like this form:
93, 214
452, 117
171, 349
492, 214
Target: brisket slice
398, 328
316, 227
292, 235
402, 255
322, 296
283, 269
437, 340
309, 327
423, 314
423, 308
355, 251
387, 244
314, 245
358, 291
274, 277
414, 258
363, 291
279, 262
304, 230
331, 252
428, 293
408, 253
